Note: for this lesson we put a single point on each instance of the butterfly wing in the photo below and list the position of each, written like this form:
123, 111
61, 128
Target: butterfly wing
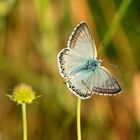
80, 84
104, 83
81, 40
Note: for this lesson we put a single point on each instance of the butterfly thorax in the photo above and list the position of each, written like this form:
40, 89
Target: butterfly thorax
93, 64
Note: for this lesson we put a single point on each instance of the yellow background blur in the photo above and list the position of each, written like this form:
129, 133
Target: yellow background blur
32, 32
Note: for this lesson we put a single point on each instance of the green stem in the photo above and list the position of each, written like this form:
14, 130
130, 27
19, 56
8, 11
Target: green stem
78, 119
24, 119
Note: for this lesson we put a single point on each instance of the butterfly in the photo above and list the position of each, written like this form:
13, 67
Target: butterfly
80, 68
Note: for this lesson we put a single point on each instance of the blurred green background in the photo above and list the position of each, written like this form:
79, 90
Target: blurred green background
32, 32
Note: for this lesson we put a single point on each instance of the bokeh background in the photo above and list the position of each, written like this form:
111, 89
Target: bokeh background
32, 32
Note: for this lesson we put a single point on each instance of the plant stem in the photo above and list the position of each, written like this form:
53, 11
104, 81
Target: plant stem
78, 119
24, 119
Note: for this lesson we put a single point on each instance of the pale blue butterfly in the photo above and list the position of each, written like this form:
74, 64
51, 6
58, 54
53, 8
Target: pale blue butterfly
82, 71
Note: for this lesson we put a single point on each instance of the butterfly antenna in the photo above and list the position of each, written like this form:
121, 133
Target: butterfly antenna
115, 66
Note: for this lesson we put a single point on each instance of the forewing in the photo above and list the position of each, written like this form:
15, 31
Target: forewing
79, 84
104, 83
81, 41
